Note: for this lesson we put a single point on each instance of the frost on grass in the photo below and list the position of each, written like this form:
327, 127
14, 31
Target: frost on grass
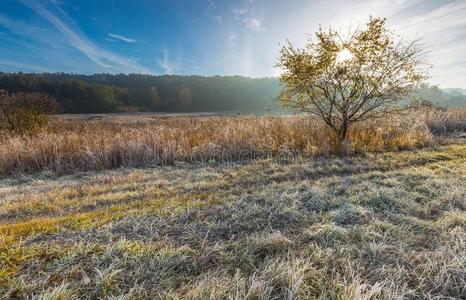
391, 225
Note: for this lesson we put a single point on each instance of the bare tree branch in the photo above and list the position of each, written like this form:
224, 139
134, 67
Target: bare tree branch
369, 84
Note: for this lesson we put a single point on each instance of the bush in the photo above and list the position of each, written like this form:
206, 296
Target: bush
25, 113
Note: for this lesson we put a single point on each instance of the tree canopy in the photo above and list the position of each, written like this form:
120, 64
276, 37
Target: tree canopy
345, 79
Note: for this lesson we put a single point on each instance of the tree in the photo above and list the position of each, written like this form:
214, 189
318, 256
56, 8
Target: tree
348, 79
25, 113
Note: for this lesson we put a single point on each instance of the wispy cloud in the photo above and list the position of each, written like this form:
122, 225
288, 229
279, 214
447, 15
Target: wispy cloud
442, 29
28, 36
170, 67
122, 38
8, 64
239, 12
445, 17
254, 24
247, 34
249, 19
212, 11
108, 60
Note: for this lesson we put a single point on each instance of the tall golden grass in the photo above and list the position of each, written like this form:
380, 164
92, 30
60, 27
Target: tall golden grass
97, 145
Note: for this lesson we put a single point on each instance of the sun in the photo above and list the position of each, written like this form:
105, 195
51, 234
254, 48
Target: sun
344, 55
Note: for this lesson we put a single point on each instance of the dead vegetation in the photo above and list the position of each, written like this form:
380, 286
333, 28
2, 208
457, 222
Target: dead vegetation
380, 225
68, 146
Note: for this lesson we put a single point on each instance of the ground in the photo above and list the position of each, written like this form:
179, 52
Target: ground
380, 225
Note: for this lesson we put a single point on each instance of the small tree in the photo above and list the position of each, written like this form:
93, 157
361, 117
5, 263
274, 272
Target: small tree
25, 113
344, 80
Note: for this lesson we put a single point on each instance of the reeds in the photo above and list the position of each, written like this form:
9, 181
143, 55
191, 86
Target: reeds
95, 145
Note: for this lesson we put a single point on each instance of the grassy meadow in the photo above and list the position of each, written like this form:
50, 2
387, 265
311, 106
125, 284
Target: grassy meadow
99, 209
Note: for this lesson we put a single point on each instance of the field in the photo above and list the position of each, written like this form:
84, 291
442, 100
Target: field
99, 143
387, 221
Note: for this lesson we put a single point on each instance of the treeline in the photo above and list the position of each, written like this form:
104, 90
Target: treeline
447, 98
134, 92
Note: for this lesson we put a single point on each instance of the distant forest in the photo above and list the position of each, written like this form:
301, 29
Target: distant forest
102, 93
119, 93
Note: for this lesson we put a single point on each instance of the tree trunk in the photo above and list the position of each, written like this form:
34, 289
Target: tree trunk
341, 134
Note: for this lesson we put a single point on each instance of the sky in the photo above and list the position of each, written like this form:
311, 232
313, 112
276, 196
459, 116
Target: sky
210, 37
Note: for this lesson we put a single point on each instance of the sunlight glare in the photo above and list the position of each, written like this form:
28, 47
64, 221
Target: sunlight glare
343, 56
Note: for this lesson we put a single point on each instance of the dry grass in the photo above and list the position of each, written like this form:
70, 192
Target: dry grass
388, 225
445, 121
384, 225
96, 145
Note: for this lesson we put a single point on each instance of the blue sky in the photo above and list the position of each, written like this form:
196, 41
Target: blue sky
209, 37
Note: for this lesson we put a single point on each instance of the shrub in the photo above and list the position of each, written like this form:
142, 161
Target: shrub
25, 113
